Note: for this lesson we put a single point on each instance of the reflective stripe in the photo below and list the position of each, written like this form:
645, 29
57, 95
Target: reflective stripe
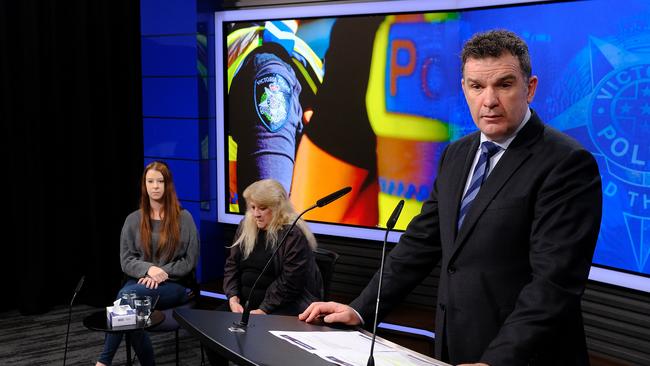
299, 46
240, 32
306, 75
277, 32
232, 70
232, 149
273, 32
441, 17
302, 48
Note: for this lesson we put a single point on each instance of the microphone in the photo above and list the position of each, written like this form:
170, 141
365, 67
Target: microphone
240, 326
392, 220
77, 289
390, 224
333, 197
67, 333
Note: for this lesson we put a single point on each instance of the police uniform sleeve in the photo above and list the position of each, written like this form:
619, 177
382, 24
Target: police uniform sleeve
265, 119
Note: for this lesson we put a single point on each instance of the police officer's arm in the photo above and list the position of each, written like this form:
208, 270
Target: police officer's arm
265, 120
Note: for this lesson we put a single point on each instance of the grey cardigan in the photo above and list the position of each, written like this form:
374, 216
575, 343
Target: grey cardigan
132, 256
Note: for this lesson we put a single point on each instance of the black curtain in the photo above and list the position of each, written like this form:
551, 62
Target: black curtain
71, 114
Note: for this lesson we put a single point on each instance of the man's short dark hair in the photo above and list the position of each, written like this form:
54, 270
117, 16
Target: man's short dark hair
495, 43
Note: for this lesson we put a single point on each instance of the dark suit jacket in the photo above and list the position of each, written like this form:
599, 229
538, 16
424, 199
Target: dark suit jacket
512, 277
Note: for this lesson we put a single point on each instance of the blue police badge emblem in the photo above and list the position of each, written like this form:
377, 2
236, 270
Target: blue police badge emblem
272, 100
618, 123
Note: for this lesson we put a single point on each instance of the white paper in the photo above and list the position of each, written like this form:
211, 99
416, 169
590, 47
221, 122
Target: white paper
352, 348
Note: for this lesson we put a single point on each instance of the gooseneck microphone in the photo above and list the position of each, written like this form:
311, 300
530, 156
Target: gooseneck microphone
243, 323
67, 332
390, 224
330, 198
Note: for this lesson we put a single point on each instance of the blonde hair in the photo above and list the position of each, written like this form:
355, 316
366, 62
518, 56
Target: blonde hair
271, 194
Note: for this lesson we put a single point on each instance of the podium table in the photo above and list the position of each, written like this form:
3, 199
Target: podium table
256, 346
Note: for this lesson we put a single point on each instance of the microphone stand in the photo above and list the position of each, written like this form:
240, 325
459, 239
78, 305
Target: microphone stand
240, 327
67, 332
389, 226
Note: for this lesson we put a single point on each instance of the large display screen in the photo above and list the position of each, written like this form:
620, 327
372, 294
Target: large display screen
368, 95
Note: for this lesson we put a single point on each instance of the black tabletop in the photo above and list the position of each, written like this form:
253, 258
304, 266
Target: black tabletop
99, 321
256, 346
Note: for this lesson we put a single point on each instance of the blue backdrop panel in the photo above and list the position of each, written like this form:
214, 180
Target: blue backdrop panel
212, 250
172, 138
206, 131
167, 17
178, 89
194, 208
212, 253
178, 52
170, 97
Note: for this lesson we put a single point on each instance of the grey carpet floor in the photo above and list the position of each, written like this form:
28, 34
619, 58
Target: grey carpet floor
40, 340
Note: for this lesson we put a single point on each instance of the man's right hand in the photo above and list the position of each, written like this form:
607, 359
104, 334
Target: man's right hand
235, 306
330, 312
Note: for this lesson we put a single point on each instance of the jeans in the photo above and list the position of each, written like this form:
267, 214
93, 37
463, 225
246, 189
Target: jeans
171, 294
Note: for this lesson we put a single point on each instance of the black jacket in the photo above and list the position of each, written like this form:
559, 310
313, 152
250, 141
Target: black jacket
297, 281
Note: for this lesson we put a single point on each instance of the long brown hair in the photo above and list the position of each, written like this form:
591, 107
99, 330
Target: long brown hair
170, 214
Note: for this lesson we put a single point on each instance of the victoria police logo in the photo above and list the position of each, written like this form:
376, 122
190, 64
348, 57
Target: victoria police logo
620, 122
603, 100
619, 126
272, 96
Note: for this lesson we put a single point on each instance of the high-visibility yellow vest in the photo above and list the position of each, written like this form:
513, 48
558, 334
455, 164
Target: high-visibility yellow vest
405, 143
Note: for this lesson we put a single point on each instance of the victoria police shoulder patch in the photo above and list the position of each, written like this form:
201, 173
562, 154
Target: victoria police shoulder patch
272, 100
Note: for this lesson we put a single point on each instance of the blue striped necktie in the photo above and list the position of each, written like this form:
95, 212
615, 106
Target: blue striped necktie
488, 149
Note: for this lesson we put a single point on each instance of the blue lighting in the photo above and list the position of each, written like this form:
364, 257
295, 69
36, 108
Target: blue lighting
405, 329
214, 295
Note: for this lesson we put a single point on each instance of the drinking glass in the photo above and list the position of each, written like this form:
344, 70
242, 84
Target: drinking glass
142, 308
128, 297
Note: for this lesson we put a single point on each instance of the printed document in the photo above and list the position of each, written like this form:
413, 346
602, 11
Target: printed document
352, 348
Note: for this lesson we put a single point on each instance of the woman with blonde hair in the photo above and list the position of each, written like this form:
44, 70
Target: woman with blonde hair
293, 280
159, 247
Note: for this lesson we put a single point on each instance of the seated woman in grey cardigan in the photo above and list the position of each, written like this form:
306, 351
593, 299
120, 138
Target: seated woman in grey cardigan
159, 247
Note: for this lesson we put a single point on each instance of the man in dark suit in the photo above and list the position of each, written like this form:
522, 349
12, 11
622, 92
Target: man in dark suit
513, 219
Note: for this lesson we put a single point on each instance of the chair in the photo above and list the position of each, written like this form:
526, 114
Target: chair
326, 260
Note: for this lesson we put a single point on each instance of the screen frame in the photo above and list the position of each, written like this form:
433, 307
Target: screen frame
307, 11
598, 273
